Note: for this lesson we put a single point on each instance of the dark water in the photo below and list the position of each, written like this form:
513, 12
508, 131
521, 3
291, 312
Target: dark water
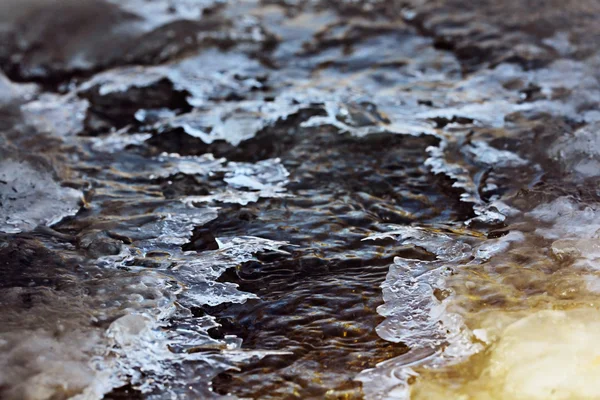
313, 199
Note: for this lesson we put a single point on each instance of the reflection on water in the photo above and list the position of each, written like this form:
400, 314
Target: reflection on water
354, 199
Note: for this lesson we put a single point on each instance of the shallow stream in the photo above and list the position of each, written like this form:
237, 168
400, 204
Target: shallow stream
299, 199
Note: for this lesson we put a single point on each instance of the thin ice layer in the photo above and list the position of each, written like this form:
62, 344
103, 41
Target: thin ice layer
495, 299
31, 196
161, 12
248, 182
56, 347
578, 153
416, 299
207, 75
414, 89
54, 114
130, 241
547, 355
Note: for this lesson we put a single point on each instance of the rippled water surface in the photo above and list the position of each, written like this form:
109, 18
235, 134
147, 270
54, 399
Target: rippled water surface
299, 199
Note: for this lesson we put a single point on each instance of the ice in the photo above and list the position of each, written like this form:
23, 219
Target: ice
56, 115
422, 309
459, 174
128, 316
532, 351
211, 73
161, 12
172, 164
154, 115
30, 195
362, 120
488, 212
413, 314
489, 249
248, 182
560, 41
549, 355
38, 365
264, 175
486, 154
119, 333
566, 218
118, 141
585, 251
220, 74
232, 124
574, 229
11, 92
56, 348
142, 347
579, 154
554, 365
121, 79
7, 89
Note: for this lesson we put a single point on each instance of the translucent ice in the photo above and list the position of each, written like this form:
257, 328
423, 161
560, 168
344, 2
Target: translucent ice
30, 196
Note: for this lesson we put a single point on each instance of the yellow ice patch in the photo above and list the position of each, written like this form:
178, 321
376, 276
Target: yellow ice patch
548, 355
